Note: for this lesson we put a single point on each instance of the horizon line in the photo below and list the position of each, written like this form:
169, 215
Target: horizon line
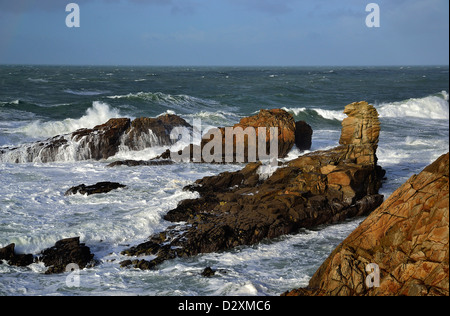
219, 66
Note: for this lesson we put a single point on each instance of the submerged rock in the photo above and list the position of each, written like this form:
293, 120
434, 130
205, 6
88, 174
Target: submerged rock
258, 202
135, 163
407, 237
101, 187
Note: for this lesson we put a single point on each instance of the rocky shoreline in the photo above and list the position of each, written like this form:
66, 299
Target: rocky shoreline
265, 201
244, 207
406, 238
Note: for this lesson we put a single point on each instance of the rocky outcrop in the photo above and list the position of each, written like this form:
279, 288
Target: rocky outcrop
12, 258
243, 141
406, 237
149, 132
57, 258
101, 142
257, 202
98, 188
66, 252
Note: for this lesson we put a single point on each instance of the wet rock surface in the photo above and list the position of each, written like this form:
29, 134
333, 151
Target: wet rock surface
247, 206
65, 253
98, 188
101, 142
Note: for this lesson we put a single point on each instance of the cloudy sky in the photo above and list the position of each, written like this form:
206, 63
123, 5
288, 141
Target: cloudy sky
225, 32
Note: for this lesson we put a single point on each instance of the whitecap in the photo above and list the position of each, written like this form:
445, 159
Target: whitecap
431, 107
98, 114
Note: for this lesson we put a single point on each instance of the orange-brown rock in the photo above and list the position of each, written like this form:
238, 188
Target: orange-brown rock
278, 118
247, 206
407, 237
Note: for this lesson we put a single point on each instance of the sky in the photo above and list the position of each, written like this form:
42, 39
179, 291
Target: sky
225, 33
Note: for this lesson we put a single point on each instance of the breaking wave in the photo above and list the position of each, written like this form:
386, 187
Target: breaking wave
181, 103
98, 114
434, 107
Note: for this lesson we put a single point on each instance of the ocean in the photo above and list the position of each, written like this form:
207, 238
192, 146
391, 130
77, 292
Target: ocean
39, 102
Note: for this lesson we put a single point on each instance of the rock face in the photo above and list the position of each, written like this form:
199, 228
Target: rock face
101, 187
247, 206
57, 258
148, 132
273, 118
407, 237
101, 142
241, 142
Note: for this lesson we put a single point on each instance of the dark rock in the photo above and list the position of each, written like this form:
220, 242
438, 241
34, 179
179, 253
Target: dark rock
103, 140
208, 272
243, 207
65, 252
135, 163
149, 132
57, 258
303, 135
20, 260
101, 187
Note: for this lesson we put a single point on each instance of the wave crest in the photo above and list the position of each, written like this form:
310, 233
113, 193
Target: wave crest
434, 107
98, 114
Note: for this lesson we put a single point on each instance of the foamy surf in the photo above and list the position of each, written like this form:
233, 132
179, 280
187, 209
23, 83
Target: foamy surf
434, 107
99, 113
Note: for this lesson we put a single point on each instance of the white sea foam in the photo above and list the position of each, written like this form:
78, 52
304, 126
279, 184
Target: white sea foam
179, 102
85, 92
326, 114
98, 114
331, 115
430, 107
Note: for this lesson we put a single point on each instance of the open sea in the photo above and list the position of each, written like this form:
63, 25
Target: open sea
39, 102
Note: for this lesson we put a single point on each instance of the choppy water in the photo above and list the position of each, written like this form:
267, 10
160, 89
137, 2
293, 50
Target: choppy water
40, 102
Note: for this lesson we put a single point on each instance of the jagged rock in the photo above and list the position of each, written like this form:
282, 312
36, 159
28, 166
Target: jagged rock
247, 206
57, 258
101, 142
65, 252
407, 237
21, 260
101, 187
148, 132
